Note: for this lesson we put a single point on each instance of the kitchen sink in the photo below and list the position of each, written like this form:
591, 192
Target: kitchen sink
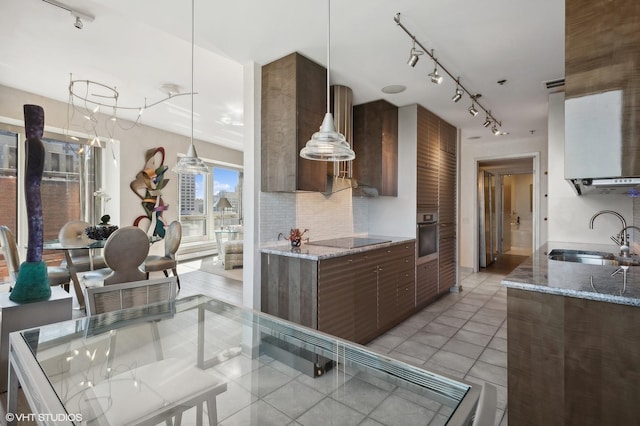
584, 256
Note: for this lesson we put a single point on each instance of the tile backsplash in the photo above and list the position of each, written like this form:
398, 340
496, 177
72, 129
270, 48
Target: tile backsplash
338, 214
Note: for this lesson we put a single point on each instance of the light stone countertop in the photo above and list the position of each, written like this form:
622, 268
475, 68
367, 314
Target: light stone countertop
584, 281
314, 252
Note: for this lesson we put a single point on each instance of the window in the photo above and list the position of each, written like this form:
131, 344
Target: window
61, 189
225, 185
8, 180
199, 195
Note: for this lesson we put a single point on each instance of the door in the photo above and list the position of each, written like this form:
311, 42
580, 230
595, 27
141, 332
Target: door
487, 213
507, 213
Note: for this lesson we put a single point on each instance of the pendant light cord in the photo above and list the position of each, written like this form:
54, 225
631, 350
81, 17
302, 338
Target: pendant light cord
192, 61
328, 53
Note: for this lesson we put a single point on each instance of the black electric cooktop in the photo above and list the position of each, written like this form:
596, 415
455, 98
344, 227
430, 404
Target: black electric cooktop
349, 242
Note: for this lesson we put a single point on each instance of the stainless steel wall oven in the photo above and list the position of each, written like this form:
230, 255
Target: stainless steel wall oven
427, 236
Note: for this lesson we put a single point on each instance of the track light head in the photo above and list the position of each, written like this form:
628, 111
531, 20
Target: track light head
435, 77
472, 109
487, 122
414, 55
495, 130
78, 23
458, 95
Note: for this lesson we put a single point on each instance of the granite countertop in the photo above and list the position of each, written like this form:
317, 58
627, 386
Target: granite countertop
594, 282
316, 252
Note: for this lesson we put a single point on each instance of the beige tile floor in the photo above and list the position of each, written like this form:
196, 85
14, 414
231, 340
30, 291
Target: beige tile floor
462, 335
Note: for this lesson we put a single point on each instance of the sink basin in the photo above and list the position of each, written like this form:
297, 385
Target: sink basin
584, 256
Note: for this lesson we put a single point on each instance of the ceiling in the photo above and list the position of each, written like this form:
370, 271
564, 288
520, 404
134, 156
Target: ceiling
138, 46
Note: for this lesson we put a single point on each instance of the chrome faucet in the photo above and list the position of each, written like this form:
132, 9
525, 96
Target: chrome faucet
621, 239
624, 249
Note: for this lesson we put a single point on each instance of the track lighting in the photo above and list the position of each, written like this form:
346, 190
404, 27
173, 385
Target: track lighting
472, 109
78, 14
495, 130
436, 78
458, 94
415, 55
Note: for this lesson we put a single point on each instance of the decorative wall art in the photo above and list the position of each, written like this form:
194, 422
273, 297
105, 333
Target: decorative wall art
33, 282
148, 186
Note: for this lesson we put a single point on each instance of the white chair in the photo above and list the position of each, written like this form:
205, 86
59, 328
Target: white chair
124, 252
151, 393
72, 233
486, 411
57, 275
127, 295
155, 263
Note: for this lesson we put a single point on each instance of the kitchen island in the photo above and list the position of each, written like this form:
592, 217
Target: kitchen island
356, 293
573, 341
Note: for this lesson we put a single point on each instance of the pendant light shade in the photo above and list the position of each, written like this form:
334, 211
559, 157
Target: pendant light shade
328, 144
191, 163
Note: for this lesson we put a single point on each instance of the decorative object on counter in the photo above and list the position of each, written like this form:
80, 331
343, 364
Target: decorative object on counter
436, 78
328, 144
191, 163
148, 186
295, 236
33, 281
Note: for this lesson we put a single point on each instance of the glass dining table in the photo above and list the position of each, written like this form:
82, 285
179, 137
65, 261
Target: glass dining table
199, 359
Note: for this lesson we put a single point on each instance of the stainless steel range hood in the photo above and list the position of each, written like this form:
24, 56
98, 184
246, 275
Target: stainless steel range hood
599, 157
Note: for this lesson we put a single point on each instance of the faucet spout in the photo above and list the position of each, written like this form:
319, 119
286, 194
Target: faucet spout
618, 215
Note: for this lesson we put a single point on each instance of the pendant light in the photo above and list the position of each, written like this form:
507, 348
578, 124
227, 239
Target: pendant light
191, 163
328, 144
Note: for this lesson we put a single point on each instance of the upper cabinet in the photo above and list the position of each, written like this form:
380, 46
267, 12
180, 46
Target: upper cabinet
294, 102
375, 142
602, 89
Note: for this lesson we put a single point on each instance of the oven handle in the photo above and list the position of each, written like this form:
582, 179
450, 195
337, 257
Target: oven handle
427, 223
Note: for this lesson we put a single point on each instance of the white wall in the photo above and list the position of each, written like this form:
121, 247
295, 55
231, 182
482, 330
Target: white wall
133, 144
473, 151
569, 214
396, 216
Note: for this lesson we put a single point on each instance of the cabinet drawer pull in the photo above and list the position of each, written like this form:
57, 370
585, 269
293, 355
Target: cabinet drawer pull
350, 260
388, 251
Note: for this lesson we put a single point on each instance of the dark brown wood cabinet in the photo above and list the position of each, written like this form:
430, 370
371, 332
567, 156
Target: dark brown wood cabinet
428, 160
426, 283
436, 191
336, 315
375, 142
294, 102
572, 361
358, 296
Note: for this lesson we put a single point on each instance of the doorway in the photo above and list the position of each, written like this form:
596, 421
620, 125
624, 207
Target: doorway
505, 213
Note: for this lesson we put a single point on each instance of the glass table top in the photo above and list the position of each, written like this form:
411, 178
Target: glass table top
149, 360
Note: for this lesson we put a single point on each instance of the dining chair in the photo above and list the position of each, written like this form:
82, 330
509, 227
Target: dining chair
57, 275
73, 232
155, 263
124, 253
148, 393
130, 294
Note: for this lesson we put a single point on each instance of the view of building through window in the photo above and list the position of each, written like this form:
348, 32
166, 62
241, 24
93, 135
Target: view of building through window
199, 196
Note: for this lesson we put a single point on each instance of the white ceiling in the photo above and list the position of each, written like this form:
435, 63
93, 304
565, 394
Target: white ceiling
137, 46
